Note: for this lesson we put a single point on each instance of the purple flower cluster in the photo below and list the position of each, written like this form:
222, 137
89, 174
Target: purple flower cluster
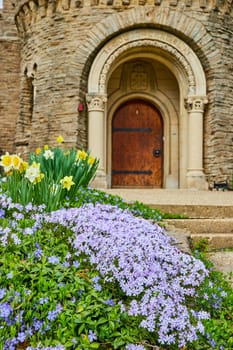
141, 258
10, 317
57, 347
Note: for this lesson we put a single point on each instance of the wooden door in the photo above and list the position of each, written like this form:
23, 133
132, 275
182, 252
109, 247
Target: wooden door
137, 145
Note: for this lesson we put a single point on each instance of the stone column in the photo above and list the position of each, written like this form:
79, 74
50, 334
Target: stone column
195, 174
96, 135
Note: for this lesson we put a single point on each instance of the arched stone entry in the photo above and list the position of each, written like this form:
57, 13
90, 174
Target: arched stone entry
183, 116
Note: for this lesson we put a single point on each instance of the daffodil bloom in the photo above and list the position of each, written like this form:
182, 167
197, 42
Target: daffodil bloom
38, 151
6, 162
16, 161
23, 166
48, 154
60, 139
38, 178
33, 172
91, 160
46, 147
81, 155
67, 182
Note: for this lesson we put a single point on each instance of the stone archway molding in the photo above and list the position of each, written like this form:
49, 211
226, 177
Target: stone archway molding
165, 43
190, 77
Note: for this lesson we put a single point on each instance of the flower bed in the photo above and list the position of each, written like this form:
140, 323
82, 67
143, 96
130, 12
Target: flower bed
95, 276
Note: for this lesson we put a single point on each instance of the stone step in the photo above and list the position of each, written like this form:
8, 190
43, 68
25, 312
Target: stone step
203, 225
215, 240
223, 261
196, 211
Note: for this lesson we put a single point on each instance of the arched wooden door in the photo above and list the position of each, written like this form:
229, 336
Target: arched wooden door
137, 145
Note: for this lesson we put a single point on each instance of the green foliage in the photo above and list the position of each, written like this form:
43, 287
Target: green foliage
202, 245
89, 195
216, 297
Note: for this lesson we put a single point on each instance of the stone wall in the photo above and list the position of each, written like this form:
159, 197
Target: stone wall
9, 77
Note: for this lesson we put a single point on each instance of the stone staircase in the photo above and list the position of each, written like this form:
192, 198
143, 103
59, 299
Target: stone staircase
210, 226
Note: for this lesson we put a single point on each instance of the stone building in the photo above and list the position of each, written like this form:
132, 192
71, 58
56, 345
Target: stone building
145, 85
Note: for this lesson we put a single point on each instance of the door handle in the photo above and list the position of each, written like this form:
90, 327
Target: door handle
156, 152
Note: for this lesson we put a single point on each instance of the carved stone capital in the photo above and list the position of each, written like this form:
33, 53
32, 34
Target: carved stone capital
96, 102
195, 103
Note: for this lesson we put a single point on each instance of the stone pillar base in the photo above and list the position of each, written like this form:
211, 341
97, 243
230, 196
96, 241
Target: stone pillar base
100, 180
196, 180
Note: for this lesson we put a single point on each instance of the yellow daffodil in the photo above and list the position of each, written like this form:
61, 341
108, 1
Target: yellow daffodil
46, 147
91, 160
81, 155
6, 162
60, 139
67, 182
38, 151
23, 166
16, 161
38, 178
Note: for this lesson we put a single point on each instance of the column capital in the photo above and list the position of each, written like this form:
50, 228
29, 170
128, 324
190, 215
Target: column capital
195, 103
96, 102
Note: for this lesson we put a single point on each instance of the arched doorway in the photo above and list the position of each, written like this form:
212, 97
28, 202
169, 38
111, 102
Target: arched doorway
182, 115
137, 145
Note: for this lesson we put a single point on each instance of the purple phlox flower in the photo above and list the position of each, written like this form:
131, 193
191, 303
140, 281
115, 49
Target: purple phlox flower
53, 260
68, 256
41, 347
9, 275
27, 291
15, 238
10, 344
28, 231
37, 324
92, 336
2, 213
96, 285
122, 306
18, 216
38, 253
223, 294
134, 347
21, 337
76, 264
109, 302
212, 343
53, 314
2, 293
5, 310
66, 264
96, 279
43, 300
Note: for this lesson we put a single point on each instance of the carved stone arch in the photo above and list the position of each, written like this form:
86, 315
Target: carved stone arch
157, 17
167, 44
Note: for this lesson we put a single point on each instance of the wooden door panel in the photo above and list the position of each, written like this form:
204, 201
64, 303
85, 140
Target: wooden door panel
136, 134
